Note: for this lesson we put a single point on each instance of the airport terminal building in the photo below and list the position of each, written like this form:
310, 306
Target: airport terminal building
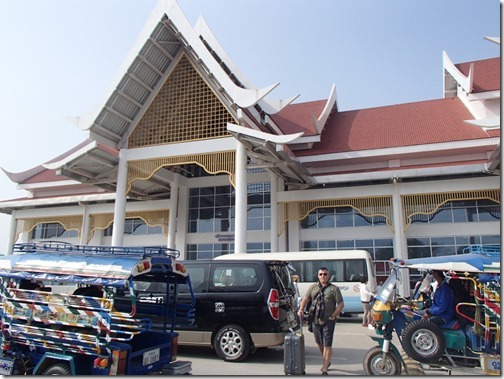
187, 153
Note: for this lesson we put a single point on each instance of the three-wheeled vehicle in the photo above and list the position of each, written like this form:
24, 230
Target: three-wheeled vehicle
59, 316
470, 342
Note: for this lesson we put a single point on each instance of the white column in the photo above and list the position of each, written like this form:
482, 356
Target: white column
241, 199
274, 212
293, 235
85, 225
181, 222
120, 200
172, 217
400, 246
12, 233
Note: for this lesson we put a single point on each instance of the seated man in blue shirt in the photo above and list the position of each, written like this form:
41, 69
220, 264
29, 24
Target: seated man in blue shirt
443, 309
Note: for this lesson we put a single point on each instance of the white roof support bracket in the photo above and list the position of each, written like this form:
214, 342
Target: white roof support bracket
270, 106
319, 123
466, 82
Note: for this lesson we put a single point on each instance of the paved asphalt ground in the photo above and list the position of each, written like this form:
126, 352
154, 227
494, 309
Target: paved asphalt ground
351, 342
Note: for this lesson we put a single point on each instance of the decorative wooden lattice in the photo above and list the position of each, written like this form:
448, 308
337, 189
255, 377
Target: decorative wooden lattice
185, 109
367, 206
222, 162
151, 218
427, 204
68, 223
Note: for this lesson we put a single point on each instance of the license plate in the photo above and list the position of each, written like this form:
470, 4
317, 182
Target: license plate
6, 366
151, 356
490, 364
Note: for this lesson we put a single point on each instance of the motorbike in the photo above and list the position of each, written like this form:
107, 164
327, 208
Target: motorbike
470, 342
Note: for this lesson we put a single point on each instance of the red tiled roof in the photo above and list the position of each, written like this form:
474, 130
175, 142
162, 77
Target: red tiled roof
425, 122
297, 118
44, 176
494, 132
486, 74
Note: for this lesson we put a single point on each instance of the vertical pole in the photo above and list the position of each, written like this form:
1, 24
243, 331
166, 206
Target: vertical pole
400, 247
172, 217
85, 225
120, 200
274, 212
12, 232
241, 199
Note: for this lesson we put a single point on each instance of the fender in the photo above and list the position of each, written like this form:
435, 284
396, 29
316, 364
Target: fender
48, 358
394, 349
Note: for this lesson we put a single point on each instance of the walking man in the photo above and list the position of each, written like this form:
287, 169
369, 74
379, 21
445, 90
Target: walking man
327, 303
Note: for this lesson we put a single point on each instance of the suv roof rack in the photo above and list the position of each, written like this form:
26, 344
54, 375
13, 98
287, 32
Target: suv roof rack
58, 247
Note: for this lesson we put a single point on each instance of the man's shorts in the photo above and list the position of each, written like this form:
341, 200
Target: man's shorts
324, 333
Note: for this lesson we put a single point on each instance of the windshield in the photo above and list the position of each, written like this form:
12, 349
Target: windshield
388, 289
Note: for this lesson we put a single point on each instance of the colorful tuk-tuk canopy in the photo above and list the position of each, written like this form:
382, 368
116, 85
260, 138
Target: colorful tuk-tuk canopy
461, 262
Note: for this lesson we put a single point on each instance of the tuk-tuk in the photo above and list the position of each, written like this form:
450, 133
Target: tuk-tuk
59, 316
470, 342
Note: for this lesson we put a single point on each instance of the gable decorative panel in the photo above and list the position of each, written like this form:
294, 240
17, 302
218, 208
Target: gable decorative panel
185, 109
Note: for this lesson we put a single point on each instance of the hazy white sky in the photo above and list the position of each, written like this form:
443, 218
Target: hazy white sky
60, 56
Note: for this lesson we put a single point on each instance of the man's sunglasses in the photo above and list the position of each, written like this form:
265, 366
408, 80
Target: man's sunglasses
322, 274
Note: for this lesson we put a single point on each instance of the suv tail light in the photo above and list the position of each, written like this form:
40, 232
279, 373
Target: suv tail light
274, 304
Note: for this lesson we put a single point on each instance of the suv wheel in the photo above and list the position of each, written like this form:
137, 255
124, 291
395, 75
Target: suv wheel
232, 343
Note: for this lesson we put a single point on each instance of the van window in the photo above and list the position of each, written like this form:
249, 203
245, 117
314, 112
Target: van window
348, 270
197, 275
235, 278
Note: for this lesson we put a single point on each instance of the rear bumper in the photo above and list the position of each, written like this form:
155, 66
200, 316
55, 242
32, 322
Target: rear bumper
267, 339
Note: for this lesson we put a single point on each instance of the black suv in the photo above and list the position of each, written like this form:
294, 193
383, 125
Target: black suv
241, 305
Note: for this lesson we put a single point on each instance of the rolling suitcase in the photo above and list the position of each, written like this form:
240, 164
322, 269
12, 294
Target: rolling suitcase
294, 353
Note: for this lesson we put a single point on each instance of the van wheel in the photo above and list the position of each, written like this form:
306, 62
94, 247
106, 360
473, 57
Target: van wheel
58, 369
232, 343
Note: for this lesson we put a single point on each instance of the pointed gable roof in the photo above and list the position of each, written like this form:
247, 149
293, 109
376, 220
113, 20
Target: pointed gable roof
299, 117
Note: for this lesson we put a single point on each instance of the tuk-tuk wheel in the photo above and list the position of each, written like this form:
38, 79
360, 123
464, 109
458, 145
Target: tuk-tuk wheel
374, 364
423, 341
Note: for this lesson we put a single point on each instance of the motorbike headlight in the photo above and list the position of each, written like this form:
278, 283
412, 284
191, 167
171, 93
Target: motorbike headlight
377, 316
